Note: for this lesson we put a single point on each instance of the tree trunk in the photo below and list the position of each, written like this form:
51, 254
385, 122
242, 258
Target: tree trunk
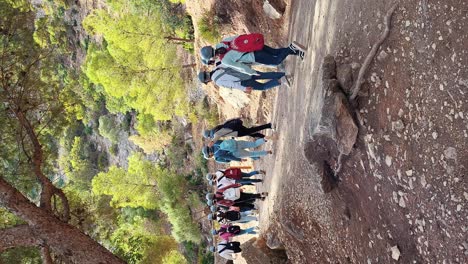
169, 38
17, 236
62, 238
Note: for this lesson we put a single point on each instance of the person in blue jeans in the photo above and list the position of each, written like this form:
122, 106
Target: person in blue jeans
233, 79
241, 61
239, 148
225, 151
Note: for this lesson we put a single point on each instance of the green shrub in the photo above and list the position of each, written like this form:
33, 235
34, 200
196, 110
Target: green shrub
108, 128
208, 27
114, 149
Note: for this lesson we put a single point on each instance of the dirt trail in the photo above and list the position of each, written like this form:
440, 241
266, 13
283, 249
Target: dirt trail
404, 184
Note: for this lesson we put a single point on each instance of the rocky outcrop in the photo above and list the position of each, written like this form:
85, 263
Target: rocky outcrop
256, 251
336, 130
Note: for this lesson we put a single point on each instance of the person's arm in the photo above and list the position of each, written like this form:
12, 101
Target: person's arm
230, 61
230, 84
223, 132
235, 185
226, 203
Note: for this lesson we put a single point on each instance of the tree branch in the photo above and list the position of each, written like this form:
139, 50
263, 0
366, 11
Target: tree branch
48, 189
375, 48
46, 257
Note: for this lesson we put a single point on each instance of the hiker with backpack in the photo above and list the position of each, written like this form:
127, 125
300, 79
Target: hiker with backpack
232, 216
234, 128
224, 151
237, 51
228, 231
234, 79
227, 249
232, 175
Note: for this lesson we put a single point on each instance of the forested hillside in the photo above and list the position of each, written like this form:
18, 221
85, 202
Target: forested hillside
97, 114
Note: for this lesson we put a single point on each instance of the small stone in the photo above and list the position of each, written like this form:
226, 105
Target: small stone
398, 125
395, 253
388, 161
402, 202
450, 153
459, 207
423, 182
382, 55
407, 24
409, 173
434, 135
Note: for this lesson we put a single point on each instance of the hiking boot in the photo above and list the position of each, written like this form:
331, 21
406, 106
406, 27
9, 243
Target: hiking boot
298, 49
262, 172
265, 194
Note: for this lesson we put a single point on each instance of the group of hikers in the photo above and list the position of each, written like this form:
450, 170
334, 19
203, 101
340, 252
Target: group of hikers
229, 204
234, 56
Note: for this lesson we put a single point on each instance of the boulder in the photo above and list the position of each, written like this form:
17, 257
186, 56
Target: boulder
255, 251
270, 10
273, 241
328, 68
336, 121
344, 75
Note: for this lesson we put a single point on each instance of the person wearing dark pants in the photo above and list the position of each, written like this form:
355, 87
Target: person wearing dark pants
241, 61
231, 78
234, 128
273, 77
271, 56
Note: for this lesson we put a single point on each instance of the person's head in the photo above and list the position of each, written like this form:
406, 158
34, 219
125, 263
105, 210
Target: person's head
214, 232
207, 152
212, 249
213, 208
210, 217
211, 182
209, 196
208, 133
204, 77
209, 176
210, 202
206, 54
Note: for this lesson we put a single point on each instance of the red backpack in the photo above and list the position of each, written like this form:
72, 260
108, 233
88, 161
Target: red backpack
233, 173
245, 43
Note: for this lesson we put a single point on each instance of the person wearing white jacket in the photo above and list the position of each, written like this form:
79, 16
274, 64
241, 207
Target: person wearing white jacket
230, 78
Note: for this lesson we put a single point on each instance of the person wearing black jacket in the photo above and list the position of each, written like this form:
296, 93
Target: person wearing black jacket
234, 128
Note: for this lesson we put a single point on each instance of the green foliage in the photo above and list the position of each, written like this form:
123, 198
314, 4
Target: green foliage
174, 257
109, 128
137, 68
153, 136
204, 111
21, 255
208, 27
133, 188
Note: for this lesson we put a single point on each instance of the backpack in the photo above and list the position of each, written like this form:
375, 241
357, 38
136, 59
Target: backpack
232, 194
233, 173
245, 43
234, 229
